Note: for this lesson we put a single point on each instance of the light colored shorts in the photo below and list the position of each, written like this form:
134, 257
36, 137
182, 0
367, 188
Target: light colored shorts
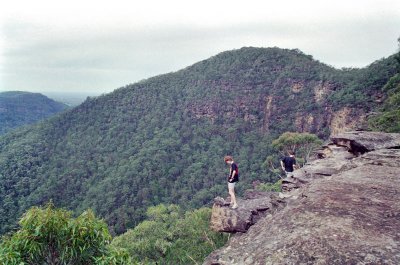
289, 174
231, 185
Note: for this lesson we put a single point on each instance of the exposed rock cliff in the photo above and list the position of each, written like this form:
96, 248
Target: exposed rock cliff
346, 119
342, 208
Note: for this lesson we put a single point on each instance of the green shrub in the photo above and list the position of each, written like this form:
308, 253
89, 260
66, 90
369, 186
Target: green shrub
51, 236
170, 236
270, 186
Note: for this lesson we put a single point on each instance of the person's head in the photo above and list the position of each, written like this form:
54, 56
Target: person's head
291, 153
228, 159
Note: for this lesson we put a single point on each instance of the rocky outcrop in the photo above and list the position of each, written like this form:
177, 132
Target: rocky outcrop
268, 110
251, 209
346, 119
304, 123
361, 142
322, 89
341, 208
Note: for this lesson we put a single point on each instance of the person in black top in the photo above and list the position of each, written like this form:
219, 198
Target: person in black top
288, 164
233, 177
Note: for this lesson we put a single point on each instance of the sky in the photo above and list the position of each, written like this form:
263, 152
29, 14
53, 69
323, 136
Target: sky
94, 47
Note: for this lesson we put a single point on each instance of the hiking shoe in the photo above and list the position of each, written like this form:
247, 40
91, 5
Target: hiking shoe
234, 206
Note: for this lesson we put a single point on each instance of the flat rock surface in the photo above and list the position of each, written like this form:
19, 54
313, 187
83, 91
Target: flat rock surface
367, 141
349, 217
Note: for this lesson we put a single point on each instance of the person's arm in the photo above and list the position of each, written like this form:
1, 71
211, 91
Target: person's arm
230, 174
282, 165
295, 166
233, 175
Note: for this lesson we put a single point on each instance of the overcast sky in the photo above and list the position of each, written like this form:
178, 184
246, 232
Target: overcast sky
94, 47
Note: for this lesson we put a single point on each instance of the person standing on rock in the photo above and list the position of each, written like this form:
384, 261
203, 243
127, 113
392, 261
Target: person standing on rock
232, 179
288, 164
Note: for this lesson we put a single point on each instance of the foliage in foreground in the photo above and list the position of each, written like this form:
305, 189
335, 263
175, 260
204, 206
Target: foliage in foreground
51, 236
170, 236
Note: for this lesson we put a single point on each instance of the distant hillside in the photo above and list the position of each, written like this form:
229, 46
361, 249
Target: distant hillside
70, 99
163, 139
21, 108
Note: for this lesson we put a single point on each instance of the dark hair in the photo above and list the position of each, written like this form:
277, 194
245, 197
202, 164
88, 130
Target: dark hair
291, 153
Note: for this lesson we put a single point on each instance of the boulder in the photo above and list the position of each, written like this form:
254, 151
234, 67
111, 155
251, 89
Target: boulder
226, 219
361, 141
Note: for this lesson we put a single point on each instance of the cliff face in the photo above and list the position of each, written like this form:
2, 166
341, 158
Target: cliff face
273, 90
302, 104
342, 208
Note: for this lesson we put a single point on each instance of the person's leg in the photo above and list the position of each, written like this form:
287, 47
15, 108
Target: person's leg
231, 189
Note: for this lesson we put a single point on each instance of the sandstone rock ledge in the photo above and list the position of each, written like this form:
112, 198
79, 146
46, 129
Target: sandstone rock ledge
251, 209
341, 209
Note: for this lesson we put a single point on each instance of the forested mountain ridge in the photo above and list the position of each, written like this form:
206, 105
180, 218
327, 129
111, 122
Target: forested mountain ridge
19, 108
163, 139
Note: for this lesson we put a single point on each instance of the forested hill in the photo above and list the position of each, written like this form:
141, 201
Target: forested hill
163, 139
21, 108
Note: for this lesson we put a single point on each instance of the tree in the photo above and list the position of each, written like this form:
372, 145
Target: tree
271, 164
51, 236
300, 143
170, 236
388, 120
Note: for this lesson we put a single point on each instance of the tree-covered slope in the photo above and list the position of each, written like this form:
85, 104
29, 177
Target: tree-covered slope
388, 117
162, 140
21, 108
